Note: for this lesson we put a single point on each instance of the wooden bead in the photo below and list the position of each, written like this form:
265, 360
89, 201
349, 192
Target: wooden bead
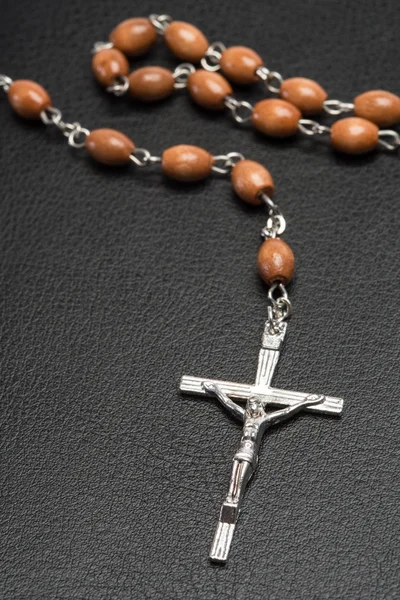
276, 118
239, 64
304, 93
208, 89
108, 64
249, 179
28, 98
378, 106
275, 261
186, 41
109, 147
186, 163
354, 135
134, 36
151, 83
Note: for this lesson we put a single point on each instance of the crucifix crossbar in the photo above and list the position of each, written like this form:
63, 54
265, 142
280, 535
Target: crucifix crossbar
256, 420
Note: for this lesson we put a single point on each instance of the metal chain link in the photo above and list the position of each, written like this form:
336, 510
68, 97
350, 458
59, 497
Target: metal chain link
241, 111
224, 163
181, 75
5, 82
119, 87
272, 79
309, 127
279, 307
337, 107
142, 157
276, 223
97, 46
160, 22
392, 141
210, 60
75, 133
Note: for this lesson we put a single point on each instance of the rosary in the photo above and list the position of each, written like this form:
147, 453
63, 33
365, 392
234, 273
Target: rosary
276, 117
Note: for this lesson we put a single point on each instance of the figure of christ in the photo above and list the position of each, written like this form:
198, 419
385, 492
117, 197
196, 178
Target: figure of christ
255, 422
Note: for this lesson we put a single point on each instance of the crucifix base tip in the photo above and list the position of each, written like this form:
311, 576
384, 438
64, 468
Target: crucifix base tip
222, 542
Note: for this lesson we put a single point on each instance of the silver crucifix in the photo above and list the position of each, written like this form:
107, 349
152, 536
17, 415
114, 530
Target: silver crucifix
256, 420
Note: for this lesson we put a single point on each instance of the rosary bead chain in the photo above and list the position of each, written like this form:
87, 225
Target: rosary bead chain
250, 180
113, 148
275, 117
244, 66
239, 64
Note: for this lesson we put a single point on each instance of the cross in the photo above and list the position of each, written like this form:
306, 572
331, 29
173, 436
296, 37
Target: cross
256, 420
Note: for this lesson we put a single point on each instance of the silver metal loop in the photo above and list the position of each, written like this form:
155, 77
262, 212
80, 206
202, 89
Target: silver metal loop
337, 107
274, 82
210, 60
160, 22
281, 289
262, 73
392, 141
276, 225
119, 87
67, 128
181, 75
224, 163
241, 111
51, 115
77, 137
142, 157
309, 127
284, 307
97, 46
279, 307
5, 82
272, 79
74, 132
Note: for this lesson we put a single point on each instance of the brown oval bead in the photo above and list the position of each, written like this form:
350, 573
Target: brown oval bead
354, 135
378, 106
109, 147
275, 261
277, 118
304, 93
186, 41
186, 163
151, 83
28, 98
108, 64
249, 179
134, 36
239, 64
208, 89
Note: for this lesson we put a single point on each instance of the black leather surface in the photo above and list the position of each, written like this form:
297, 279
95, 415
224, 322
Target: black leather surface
115, 283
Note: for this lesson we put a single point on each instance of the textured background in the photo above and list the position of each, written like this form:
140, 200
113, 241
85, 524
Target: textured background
115, 283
